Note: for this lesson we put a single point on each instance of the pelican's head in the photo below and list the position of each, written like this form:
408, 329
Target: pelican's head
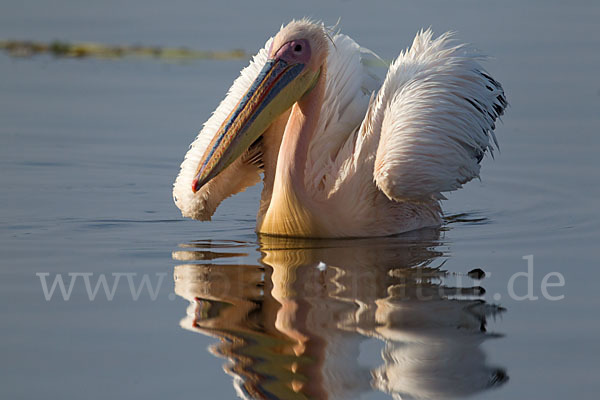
292, 69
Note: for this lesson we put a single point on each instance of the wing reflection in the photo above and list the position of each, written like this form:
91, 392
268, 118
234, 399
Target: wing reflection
293, 327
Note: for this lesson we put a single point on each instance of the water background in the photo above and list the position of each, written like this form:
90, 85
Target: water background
89, 150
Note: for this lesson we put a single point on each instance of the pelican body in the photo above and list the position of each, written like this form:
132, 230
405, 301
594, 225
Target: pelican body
342, 153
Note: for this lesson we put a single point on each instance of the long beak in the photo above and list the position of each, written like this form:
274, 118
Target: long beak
278, 86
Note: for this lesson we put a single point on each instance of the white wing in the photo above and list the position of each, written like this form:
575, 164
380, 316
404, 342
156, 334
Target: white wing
350, 83
434, 118
239, 175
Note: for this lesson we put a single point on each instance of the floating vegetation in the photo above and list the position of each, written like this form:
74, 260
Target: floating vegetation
60, 49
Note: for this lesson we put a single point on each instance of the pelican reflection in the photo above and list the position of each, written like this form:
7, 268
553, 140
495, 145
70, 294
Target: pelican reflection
295, 326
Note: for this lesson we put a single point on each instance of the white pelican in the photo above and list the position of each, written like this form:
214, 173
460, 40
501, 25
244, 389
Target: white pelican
344, 155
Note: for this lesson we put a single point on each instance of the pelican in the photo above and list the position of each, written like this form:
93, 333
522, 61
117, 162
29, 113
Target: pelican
343, 154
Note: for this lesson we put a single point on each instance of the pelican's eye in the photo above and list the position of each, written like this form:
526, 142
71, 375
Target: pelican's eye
294, 51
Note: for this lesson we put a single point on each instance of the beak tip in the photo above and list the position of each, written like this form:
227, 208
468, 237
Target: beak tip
195, 185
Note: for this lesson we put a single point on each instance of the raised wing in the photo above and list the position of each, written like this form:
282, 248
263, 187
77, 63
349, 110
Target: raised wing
242, 173
435, 116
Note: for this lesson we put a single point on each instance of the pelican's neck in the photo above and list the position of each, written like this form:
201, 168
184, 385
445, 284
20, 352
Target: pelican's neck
289, 212
301, 126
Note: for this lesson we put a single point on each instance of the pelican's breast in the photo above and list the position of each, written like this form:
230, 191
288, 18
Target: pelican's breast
287, 216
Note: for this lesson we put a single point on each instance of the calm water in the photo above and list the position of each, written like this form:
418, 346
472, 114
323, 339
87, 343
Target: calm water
89, 150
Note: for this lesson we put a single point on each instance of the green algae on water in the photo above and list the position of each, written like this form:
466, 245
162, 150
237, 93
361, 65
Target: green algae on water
62, 49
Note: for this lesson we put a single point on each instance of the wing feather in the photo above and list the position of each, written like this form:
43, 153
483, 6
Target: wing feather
350, 82
435, 114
